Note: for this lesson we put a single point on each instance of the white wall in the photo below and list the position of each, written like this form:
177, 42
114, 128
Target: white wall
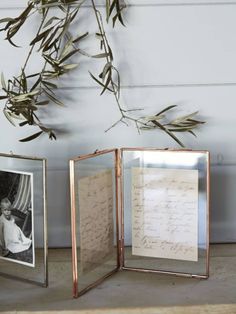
170, 52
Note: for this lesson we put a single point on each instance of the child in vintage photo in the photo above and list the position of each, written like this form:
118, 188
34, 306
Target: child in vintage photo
12, 239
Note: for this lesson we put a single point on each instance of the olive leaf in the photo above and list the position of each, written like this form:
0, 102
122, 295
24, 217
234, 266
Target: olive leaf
31, 137
115, 6
79, 38
180, 124
4, 86
41, 36
68, 55
101, 55
99, 82
9, 117
13, 25
50, 21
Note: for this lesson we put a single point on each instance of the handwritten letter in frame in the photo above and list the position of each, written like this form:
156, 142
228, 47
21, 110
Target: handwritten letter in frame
96, 219
165, 213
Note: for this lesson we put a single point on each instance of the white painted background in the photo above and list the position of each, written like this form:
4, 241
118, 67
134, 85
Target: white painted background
170, 52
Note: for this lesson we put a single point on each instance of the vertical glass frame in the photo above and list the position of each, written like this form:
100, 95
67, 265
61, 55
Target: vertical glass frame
87, 173
152, 160
27, 175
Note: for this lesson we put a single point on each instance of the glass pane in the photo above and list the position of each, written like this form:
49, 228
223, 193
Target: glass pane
166, 210
96, 231
22, 217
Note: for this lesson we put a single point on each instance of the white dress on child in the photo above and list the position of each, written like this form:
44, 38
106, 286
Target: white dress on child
14, 238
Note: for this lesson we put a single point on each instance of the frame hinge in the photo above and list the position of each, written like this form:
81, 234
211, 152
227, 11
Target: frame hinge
118, 169
121, 253
200, 276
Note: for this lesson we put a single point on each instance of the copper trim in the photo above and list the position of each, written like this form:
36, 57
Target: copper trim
117, 188
126, 149
208, 217
95, 154
165, 272
176, 150
120, 216
45, 222
122, 252
73, 229
21, 157
76, 292
96, 283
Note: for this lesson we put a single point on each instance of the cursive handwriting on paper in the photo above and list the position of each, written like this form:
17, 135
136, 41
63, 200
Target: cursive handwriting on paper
95, 219
165, 213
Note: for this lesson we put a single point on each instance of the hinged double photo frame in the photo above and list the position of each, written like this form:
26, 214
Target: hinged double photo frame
139, 209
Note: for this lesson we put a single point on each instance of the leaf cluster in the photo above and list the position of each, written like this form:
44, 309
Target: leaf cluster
109, 80
114, 10
183, 124
109, 77
28, 92
13, 25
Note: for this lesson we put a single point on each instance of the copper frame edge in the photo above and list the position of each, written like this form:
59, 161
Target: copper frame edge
120, 217
21, 157
118, 178
122, 234
208, 217
95, 154
180, 274
45, 225
76, 293
165, 272
176, 150
73, 230
45, 234
96, 283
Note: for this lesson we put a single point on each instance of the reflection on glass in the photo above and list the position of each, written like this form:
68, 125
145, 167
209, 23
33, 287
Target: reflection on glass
166, 210
95, 202
96, 220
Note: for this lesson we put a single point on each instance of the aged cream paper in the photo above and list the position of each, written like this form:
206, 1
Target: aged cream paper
165, 213
95, 219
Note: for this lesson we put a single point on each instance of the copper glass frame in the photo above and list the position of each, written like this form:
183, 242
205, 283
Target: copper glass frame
196, 162
125, 160
35, 168
82, 168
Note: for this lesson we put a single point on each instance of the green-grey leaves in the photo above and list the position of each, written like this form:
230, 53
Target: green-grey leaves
31, 137
186, 123
27, 93
13, 25
4, 86
115, 8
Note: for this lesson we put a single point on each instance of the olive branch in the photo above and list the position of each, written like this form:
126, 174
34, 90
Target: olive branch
26, 93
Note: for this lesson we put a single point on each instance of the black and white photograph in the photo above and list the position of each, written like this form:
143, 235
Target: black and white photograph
16, 217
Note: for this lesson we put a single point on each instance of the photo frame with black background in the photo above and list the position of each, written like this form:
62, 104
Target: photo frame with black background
23, 219
16, 217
